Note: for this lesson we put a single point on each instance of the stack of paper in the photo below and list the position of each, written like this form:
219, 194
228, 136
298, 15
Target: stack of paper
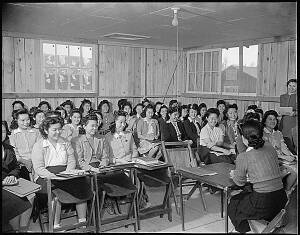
23, 188
148, 161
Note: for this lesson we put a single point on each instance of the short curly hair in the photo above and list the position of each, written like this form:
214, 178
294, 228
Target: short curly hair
45, 125
268, 113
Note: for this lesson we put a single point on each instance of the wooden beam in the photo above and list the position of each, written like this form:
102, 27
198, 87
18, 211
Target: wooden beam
47, 95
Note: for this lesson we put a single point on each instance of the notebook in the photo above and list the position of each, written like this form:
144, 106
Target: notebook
23, 188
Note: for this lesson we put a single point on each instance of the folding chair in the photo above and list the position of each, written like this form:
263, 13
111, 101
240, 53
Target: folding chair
181, 155
263, 226
52, 199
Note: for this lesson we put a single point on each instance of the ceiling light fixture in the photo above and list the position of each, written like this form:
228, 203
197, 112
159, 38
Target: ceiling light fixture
175, 19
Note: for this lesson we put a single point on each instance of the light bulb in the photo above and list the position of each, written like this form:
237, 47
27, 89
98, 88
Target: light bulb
175, 20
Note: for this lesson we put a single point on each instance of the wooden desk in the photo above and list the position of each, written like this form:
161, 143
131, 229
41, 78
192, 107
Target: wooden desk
220, 180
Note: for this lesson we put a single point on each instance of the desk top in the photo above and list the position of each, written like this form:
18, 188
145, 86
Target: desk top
220, 180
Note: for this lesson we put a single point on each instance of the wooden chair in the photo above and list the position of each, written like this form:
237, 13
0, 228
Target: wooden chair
46, 215
263, 226
181, 155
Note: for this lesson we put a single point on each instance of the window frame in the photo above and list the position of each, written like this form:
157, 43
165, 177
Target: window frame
68, 91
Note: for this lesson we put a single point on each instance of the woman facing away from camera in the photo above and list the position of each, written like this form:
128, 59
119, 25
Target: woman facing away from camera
260, 164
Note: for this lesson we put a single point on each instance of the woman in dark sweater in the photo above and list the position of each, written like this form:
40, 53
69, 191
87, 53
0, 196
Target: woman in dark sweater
14, 208
266, 196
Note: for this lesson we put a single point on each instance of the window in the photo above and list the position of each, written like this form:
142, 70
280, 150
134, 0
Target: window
203, 71
68, 67
220, 71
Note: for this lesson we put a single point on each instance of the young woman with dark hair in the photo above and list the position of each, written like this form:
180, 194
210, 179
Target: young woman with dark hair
221, 106
138, 110
157, 106
18, 104
85, 107
63, 114
68, 106
38, 117
183, 112
45, 106
72, 129
202, 108
260, 165
131, 120
107, 115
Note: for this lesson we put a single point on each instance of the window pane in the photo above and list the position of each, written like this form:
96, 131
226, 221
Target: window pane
199, 65
192, 63
199, 77
63, 80
248, 77
74, 56
230, 67
62, 55
49, 54
206, 82
214, 81
87, 79
75, 79
215, 61
49, 78
191, 81
207, 61
87, 57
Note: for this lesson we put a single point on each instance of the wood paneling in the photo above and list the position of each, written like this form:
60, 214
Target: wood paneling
8, 65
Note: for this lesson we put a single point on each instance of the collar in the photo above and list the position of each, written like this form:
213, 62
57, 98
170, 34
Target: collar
18, 130
46, 142
149, 122
249, 148
191, 120
116, 135
266, 130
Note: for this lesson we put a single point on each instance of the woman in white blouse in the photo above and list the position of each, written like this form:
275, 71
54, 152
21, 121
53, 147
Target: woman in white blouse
71, 130
53, 154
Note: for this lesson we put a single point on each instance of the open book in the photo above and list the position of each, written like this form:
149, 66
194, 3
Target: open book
23, 188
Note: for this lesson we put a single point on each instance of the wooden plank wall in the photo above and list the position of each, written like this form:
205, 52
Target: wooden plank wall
134, 72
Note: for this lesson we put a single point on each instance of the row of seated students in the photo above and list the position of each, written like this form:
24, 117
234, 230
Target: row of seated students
90, 138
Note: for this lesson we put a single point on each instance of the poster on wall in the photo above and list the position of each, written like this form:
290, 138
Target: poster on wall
49, 78
62, 79
87, 79
75, 79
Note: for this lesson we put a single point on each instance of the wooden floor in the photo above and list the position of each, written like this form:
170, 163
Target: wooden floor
196, 219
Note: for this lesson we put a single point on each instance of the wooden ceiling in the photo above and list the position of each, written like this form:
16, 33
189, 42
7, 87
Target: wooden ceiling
200, 23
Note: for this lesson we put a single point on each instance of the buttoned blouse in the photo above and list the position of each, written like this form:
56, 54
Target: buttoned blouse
230, 132
23, 141
108, 118
44, 154
131, 123
86, 152
69, 131
121, 145
210, 136
145, 127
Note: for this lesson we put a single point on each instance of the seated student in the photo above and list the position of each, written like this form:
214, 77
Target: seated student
38, 117
51, 155
44, 106
157, 106
173, 104
18, 104
72, 129
16, 211
22, 139
63, 113
137, 110
212, 137
100, 133
173, 130
191, 126
145, 102
147, 134
260, 112
85, 107
107, 115
272, 135
183, 112
202, 108
131, 120
31, 112
229, 127
90, 151
221, 106
120, 103
240, 146
260, 164
68, 106
251, 108
293, 136
163, 117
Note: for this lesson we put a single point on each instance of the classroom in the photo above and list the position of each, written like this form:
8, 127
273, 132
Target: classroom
149, 117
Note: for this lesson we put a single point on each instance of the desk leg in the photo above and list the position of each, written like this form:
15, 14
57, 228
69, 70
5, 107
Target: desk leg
97, 205
181, 202
222, 203
226, 207
135, 180
50, 211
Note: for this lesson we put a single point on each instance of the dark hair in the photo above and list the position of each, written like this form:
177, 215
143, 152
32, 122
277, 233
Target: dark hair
164, 107
33, 109
61, 108
83, 102
181, 108
145, 100
127, 103
202, 105
252, 130
117, 114
149, 106
221, 102
172, 102
18, 102
251, 115
68, 102
89, 117
291, 80
74, 111
102, 103
173, 110
156, 104
232, 106
211, 111
194, 107
252, 106
45, 102
121, 102
268, 113
99, 113
36, 112
52, 113
134, 109
21, 111
45, 125
4, 123
259, 111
